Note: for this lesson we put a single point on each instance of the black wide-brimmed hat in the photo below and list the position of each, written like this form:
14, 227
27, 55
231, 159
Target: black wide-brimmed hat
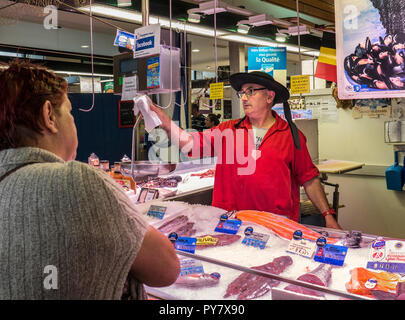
237, 80
282, 94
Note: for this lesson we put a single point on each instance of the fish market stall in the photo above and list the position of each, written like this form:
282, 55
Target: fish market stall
263, 260
191, 182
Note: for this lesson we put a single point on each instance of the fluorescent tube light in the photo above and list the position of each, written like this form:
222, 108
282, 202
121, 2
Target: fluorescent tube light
243, 28
194, 18
124, 3
75, 73
281, 37
135, 16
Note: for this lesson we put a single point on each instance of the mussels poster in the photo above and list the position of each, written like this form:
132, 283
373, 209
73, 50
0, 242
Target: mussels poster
370, 48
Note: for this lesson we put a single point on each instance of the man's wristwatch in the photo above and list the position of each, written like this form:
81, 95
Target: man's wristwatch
328, 212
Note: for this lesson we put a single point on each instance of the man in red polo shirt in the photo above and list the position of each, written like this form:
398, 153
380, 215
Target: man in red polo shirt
262, 159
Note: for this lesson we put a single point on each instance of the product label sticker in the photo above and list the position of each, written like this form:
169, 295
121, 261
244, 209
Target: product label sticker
156, 211
370, 283
185, 244
331, 254
387, 255
207, 241
255, 239
190, 266
377, 250
229, 226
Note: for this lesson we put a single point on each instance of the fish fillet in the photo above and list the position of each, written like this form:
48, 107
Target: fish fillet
249, 286
281, 226
386, 281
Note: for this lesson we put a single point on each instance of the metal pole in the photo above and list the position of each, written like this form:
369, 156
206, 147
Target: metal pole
145, 13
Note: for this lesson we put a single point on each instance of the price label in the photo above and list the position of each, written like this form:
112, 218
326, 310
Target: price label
302, 247
185, 244
190, 266
156, 211
331, 254
255, 239
229, 226
207, 240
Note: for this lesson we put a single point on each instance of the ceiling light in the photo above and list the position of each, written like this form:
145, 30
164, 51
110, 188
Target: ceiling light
195, 50
260, 20
124, 3
75, 73
194, 18
84, 46
243, 28
135, 16
293, 31
281, 37
208, 7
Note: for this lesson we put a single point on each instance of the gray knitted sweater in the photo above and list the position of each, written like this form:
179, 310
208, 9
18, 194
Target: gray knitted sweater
67, 230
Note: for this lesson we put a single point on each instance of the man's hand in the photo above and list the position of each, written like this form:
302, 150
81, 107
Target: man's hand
331, 222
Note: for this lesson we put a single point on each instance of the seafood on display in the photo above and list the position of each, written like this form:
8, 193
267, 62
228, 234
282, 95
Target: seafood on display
250, 286
206, 174
320, 276
198, 280
379, 285
170, 182
280, 225
180, 225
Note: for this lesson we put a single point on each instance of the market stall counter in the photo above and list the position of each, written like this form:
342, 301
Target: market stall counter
192, 182
249, 255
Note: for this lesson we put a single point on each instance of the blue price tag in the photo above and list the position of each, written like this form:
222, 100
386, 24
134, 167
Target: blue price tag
185, 244
156, 211
331, 254
255, 239
228, 226
190, 266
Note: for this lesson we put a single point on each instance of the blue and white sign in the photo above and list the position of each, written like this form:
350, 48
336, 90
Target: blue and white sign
272, 60
147, 41
124, 39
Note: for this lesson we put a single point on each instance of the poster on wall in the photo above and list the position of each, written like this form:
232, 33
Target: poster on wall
271, 60
370, 39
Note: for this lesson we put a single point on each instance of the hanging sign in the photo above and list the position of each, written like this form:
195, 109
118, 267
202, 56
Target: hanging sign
129, 88
86, 84
299, 84
217, 90
147, 41
370, 42
124, 39
272, 60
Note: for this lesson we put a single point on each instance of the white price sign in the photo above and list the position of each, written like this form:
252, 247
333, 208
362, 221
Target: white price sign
302, 247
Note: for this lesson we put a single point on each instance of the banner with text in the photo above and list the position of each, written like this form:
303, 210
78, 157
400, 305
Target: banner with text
271, 60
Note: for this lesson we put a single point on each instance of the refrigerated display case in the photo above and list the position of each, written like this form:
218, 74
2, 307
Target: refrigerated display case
225, 266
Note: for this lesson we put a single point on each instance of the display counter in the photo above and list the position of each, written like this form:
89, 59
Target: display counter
195, 184
232, 268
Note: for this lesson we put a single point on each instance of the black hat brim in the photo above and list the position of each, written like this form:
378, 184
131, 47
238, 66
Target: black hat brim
237, 80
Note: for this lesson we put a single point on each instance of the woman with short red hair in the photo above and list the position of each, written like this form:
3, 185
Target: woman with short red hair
68, 230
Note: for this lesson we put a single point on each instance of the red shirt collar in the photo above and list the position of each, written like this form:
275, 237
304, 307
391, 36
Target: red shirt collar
280, 123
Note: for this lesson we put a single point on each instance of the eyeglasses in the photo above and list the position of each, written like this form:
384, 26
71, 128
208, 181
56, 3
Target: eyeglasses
249, 92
